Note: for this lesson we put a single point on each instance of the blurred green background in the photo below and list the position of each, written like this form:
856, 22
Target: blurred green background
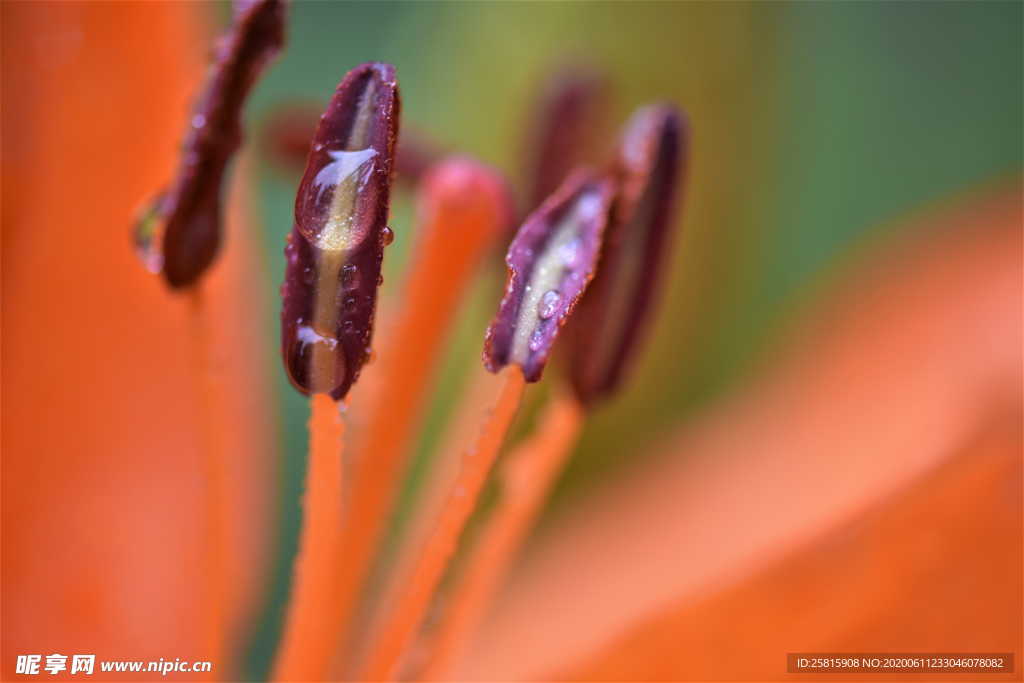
813, 124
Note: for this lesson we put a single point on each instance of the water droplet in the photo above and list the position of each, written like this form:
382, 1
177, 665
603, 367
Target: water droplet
387, 236
148, 236
327, 223
536, 340
347, 325
344, 166
198, 121
570, 252
311, 346
309, 337
350, 275
318, 146
349, 303
548, 304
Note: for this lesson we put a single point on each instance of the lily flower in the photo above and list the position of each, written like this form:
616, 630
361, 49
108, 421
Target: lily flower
858, 490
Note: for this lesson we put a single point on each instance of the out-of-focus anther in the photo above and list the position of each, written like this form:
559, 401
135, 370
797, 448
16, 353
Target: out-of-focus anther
613, 315
564, 130
179, 233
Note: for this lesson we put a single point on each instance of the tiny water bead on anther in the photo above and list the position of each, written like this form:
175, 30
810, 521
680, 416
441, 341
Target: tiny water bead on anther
536, 340
550, 261
548, 304
335, 250
148, 235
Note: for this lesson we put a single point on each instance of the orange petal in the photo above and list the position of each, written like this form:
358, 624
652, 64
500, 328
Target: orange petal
936, 568
102, 480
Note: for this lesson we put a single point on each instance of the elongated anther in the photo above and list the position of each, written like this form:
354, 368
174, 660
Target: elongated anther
613, 315
179, 234
336, 247
551, 261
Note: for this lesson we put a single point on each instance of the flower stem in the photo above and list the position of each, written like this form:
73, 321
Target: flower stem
309, 639
527, 477
404, 620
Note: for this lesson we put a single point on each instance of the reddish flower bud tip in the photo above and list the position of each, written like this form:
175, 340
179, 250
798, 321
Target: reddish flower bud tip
614, 313
551, 260
335, 250
179, 233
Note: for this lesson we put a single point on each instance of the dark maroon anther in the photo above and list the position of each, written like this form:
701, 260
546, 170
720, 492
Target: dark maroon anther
613, 315
550, 261
179, 233
564, 130
335, 250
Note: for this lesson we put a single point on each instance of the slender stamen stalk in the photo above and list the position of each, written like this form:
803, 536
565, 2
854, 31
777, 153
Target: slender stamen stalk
215, 533
401, 626
462, 427
463, 210
311, 625
526, 477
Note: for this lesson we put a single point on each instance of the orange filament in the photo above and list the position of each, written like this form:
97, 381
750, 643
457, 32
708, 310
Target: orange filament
215, 536
309, 639
401, 625
462, 428
463, 210
527, 477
